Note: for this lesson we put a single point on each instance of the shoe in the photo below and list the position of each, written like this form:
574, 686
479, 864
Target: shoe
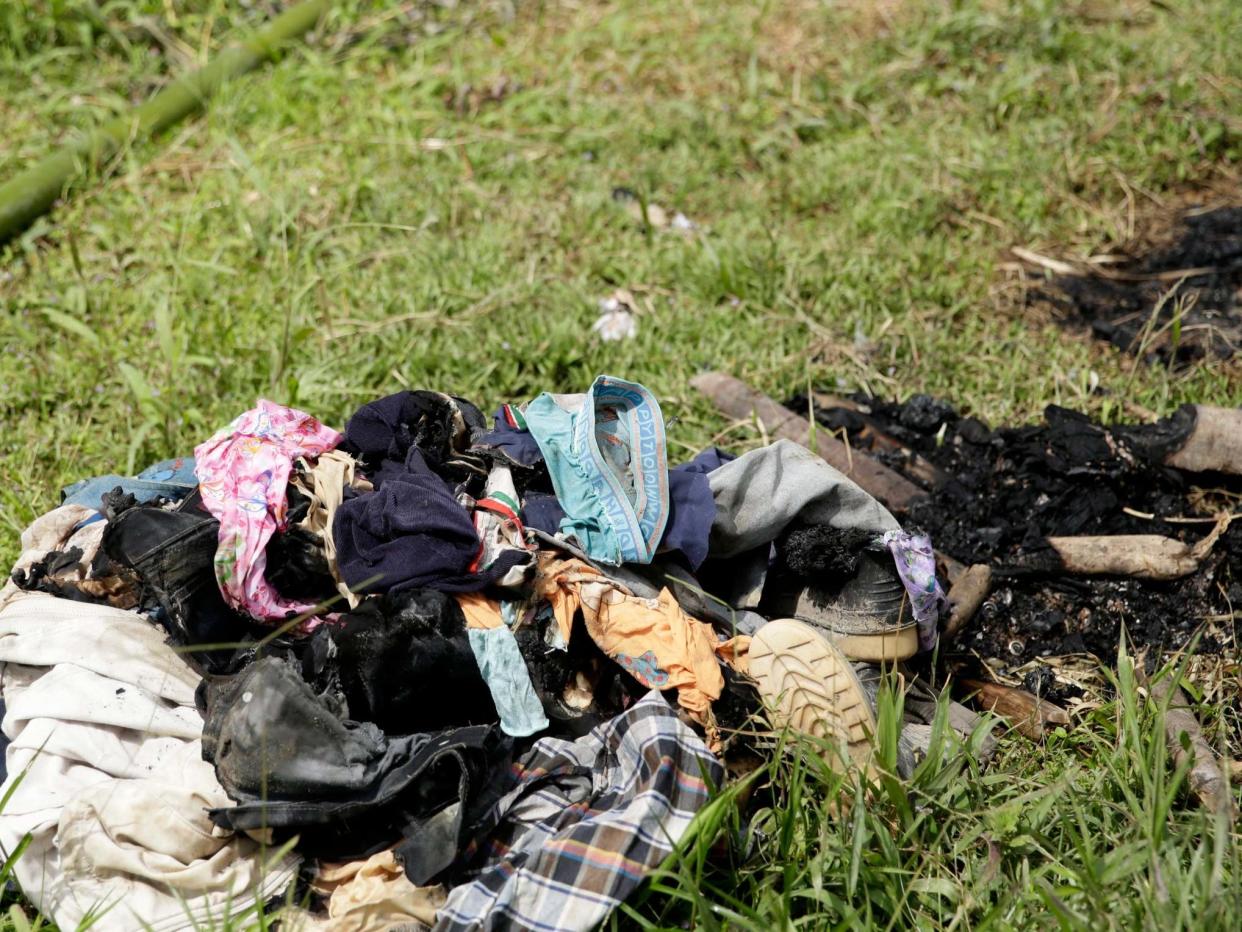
812, 688
867, 617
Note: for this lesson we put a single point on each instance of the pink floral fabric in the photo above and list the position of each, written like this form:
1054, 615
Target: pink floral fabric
243, 471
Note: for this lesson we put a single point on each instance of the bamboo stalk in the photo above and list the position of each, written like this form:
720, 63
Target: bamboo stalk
32, 193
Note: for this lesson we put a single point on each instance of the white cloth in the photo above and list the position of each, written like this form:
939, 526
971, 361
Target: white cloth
114, 791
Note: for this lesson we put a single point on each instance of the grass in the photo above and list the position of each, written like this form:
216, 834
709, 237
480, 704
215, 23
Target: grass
1087, 832
379, 210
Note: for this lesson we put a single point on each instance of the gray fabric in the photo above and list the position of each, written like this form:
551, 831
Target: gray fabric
760, 493
739, 580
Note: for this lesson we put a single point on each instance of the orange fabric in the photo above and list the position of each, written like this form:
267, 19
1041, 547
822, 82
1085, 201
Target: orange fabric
736, 653
555, 582
653, 639
481, 613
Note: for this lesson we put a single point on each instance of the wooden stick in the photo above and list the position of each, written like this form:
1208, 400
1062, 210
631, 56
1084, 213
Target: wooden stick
1147, 556
1144, 556
1029, 715
739, 401
915, 466
966, 595
1207, 782
1044, 262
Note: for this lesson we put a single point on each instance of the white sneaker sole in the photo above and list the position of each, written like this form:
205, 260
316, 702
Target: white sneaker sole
811, 687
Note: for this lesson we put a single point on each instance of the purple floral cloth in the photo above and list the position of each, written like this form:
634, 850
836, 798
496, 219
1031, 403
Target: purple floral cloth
916, 565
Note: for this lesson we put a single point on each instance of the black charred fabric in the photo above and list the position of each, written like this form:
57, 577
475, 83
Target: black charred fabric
404, 662
294, 761
441, 427
297, 565
581, 670
40, 576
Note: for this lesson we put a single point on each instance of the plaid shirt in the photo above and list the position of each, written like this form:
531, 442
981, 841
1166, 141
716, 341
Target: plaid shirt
587, 821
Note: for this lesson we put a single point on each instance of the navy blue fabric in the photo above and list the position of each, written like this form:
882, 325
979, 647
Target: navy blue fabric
411, 532
707, 461
692, 507
519, 445
382, 433
542, 511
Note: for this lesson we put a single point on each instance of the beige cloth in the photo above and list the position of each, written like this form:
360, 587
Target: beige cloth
324, 483
375, 895
114, 790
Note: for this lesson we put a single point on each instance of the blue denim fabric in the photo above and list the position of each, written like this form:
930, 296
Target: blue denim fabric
172, 479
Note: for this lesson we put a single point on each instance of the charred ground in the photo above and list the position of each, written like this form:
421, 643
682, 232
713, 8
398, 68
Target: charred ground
1000, 492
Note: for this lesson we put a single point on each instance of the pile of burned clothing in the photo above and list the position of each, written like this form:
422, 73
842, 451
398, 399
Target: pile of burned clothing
439, 671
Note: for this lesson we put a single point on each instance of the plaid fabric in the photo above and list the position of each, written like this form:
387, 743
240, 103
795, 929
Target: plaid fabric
587, 821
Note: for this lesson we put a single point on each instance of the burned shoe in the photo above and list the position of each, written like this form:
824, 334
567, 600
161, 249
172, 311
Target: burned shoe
867, 615
812, 687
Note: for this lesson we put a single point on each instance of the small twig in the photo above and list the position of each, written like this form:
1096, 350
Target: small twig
1045, 262
1178, 519
1169, 275
849, 453
1204, 547
1095, 267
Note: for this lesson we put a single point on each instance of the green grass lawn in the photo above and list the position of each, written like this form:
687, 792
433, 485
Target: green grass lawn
421, 196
